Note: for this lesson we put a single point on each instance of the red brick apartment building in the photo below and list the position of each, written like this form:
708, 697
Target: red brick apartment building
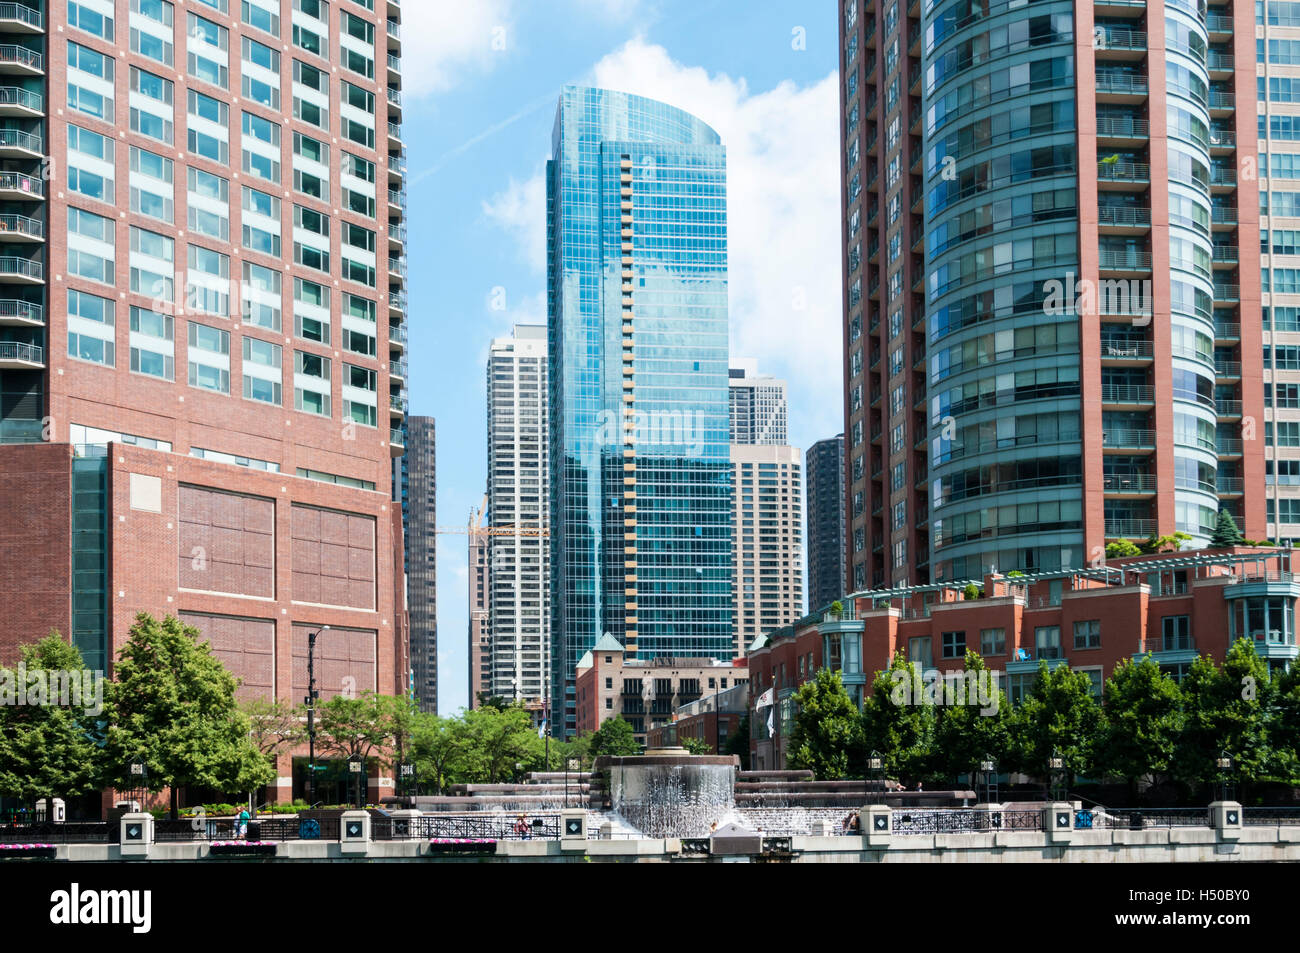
201, 349
1172, 606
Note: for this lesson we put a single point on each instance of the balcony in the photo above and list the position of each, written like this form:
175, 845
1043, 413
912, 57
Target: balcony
1126, 128
1126, 261
397, 232
1130, 484
397, 336
16, 143
394, 100
1227, 408
397, 405
21, 228
20, 18
394, 69
1220, 62
1122, 439
397, 302
394, 36
1121, 350
19, 60
1227, 446
16, 101
1129, 394
1123, 218
1222, 179
1229, 369
1128, 175
397, 368
1219, 24
1226, 292
1129, 528
394, 134
1121, 87
20, 186
22, 269
1227, 331
17, 356
15, 311
397, 266
1119, 43
397, 199
1229, 486
1225, 255
1223, 140
396, 442
1223, 217
1221, 102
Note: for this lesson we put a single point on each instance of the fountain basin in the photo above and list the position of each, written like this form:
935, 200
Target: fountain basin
668, 792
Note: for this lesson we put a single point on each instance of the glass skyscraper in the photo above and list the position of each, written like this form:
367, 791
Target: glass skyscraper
637, 350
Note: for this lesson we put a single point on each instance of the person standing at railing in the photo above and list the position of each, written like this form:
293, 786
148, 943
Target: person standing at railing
241, 828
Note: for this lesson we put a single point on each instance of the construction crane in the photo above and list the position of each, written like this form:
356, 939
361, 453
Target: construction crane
469, 529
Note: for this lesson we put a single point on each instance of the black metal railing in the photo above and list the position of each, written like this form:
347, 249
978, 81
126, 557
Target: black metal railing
493, 827
1271, 816
68, 832
1142, 818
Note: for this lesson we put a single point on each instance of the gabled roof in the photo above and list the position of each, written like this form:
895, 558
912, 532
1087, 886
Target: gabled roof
607, 643
759, 642
586, 661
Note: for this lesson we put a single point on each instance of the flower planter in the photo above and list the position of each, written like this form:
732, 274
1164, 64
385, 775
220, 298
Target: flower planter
462, 846
27, 851
241, 849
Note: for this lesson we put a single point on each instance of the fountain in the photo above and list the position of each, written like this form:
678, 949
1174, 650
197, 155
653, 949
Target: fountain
668, 792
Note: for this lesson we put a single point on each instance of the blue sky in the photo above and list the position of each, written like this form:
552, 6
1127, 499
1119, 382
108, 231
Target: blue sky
480, 84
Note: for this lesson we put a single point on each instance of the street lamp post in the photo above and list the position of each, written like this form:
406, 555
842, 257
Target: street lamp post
1056, 775
876, 767
354, 777
989, 768
1224, 763
311, 715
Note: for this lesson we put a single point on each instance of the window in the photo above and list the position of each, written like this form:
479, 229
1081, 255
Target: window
209, 204
262, 14
993, 642
90, 245
208, 281
262, 371
1176, 633
152, 348
90, 164
1087, 634
208, 132
151, 30
311, 101
311, 383
151, 105
918, 651
153, 261
260, 73
1047, 642
954, 645
262, 296
90, 328
311, 311
151, 185
311, 174
314, 38
90, 82
261, 222
209, 358
359, 386
93, 16
207, 51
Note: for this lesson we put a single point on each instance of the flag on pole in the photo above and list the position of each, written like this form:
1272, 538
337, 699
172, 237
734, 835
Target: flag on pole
767, 699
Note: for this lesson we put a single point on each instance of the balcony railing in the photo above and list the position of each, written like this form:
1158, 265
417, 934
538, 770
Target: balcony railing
1124, 260
397, 266
24, 267
1123, 84
21, 56
1222, 177
21, 182
1120, 215
21, 13
398, 402
20, 351
1221, 100
1226, 330
395, 129
1222, 138
394, 63
1127, 393
18, 139
16, 309
1125, 349
1117, 127
395, 438
397, 333
1220, 61
23, 225
1118, 38
1112, 437
23, 98
1129, 482
1225, 292
394, 29
1224, 484
397, 232
1124, 172
1228, 446
1225, 253
397, 368
1227, 368
1223, 216
1130, 528
396, 197
394, 96
1218, 24
397, 300
1227, 408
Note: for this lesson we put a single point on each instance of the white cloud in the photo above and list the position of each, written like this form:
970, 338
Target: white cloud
442, 39
783, 206
520, 209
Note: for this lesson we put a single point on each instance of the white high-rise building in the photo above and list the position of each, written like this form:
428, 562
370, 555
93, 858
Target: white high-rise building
518, 489
758, 405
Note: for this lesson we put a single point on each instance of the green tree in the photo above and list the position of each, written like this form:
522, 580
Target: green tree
1284, 731
498, 740
1225, 710
966, 734
738, 744
47, 746
898, 724
172, 705
439, 748
276, 726
827, 733
1060, 717
357, 726
1226, 532
1142, 717
696, 745
615, 738
1121, 548
1171, 542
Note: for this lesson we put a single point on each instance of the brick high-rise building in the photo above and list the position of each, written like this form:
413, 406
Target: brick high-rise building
422, 559
1051, 278
201, 332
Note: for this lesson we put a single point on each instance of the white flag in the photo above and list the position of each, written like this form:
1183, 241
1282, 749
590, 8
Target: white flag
770, 730
766, 699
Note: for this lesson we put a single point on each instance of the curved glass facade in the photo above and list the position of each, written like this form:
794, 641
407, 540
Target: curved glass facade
637, 327
1001, 213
